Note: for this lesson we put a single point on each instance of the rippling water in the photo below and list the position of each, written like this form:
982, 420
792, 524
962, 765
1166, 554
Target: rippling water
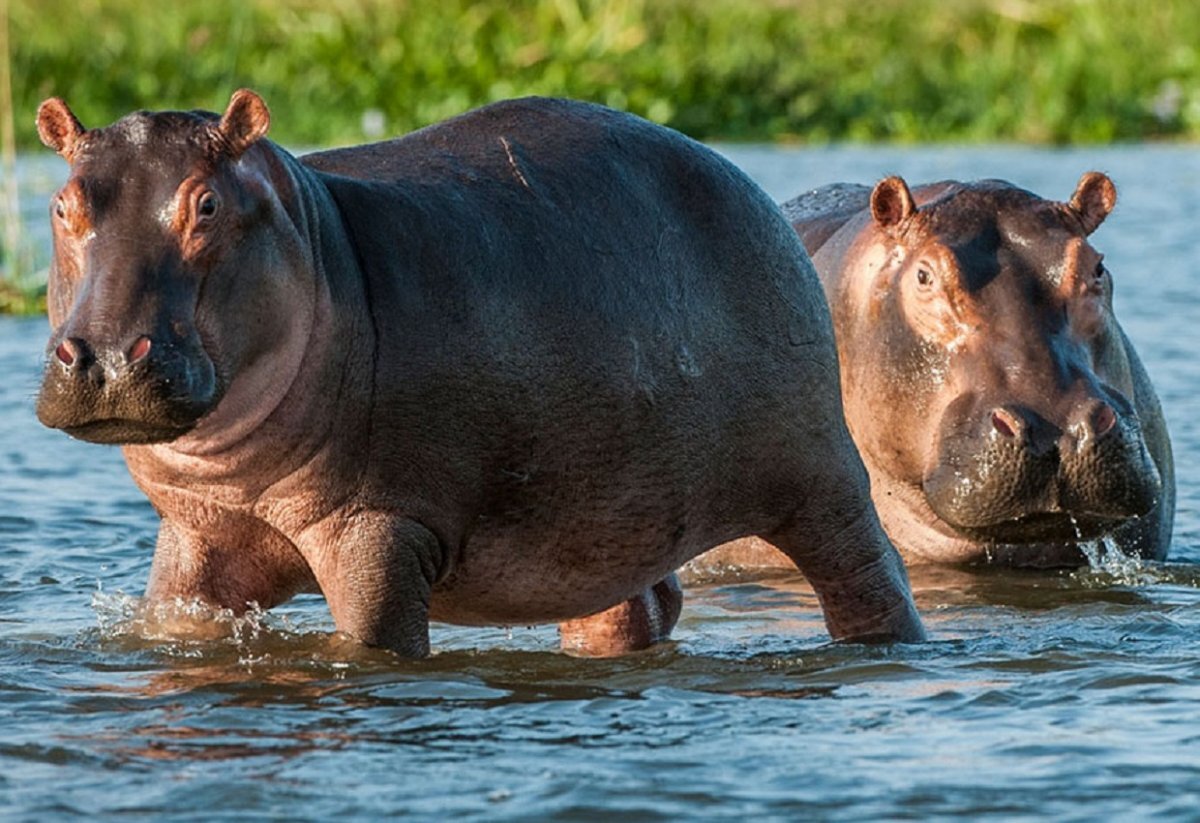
1068, 695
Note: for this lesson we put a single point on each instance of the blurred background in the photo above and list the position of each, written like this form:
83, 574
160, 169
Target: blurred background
782, 71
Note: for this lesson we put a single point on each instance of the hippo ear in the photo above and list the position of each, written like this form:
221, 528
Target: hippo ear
891, 202
1093, 199
58, 127
244, 122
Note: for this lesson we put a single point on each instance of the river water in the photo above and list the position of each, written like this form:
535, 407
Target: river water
1070, 695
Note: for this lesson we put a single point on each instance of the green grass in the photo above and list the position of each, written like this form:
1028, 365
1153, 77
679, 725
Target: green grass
805, 70
341, 71
22, 297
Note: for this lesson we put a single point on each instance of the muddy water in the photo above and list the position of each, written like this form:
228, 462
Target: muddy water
1066, 695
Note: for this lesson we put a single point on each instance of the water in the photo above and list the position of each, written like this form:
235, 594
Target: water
1067, 695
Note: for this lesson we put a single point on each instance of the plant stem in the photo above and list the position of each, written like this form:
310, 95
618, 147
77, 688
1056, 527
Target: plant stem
10, 205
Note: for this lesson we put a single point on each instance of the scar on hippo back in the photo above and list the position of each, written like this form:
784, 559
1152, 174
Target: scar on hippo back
59, 128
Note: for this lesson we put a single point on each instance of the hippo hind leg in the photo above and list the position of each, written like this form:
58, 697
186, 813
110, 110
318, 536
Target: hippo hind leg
858, 577
636, 624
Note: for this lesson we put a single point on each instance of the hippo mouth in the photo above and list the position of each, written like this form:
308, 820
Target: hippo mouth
135, 419
116, 431
1042, 527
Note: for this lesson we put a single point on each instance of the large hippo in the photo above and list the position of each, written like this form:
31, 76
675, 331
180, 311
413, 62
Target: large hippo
513, 368
1000, 410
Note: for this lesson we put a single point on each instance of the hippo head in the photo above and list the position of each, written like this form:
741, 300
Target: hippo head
999, 394
173, 259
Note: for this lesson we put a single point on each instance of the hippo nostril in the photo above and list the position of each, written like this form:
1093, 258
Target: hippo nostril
1005, 423
67, 353
1104, 420
139, 349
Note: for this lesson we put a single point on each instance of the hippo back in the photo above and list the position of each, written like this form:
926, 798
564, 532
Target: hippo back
818, 214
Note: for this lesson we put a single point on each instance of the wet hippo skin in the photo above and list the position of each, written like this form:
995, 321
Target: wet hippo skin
513, 368
1001, 411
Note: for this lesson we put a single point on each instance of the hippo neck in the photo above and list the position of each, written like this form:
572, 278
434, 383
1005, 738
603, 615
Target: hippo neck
254, 439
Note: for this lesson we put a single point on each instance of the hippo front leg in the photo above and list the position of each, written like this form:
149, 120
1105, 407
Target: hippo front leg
376, 572
636, 624
233, 562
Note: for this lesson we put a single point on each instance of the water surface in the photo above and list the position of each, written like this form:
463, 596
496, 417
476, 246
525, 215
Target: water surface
1064, 695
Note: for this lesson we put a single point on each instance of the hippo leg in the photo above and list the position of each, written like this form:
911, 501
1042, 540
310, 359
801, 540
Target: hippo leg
636, 624
377, 573
858, 577
251, 565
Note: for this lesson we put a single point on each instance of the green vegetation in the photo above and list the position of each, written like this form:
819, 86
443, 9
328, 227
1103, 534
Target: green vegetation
23, 297
1046, 71
340, 71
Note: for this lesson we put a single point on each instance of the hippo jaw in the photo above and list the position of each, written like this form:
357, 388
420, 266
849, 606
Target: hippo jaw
1061, 488
103, 398
1043, 527
1040, 540
118, 432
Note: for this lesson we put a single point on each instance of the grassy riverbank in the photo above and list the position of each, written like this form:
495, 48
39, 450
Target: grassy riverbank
341, 71
917, 70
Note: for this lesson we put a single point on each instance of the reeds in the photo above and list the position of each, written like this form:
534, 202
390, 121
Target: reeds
10, 203
19, 292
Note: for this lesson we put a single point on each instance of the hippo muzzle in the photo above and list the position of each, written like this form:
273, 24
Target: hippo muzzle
150, 389
1006, 473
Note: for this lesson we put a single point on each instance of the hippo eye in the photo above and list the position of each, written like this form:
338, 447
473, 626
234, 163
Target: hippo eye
924, 278
206, 206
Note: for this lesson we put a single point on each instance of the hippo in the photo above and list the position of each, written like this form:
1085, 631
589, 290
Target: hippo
1002, 413
512, 368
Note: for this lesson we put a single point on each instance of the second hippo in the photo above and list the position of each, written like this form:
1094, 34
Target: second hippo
1002, 413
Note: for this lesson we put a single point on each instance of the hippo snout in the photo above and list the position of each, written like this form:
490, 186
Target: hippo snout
1007, 472
145, 389
76, 355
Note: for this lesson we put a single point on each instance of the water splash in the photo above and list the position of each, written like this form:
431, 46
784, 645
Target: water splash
1106, 557
1109, 565
123, 616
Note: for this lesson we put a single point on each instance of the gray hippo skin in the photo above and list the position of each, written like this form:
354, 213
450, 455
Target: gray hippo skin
1001, 411
510, 369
